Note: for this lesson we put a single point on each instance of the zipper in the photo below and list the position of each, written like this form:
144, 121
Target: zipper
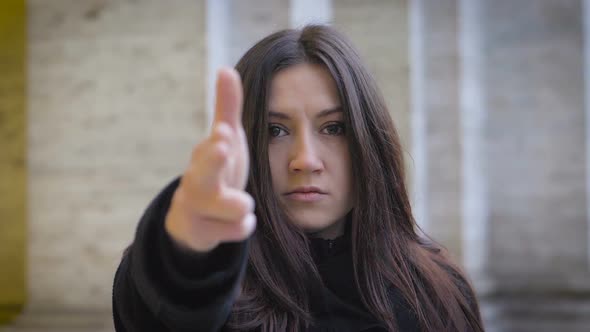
331, 245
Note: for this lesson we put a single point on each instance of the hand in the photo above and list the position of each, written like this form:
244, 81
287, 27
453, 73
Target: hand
210, 206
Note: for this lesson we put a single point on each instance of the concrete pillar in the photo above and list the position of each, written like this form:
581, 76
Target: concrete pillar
233, 26
524, 188
379, 31
586, 5
302, 12
435, 121
13, 170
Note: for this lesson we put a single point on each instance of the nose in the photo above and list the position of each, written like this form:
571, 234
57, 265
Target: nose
305, 157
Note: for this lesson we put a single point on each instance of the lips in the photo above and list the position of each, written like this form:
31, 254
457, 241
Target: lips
306, 189
306, 194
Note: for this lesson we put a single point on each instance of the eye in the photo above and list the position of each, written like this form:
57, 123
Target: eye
335, 129
275, 131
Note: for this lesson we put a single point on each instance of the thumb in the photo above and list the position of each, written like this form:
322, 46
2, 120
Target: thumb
229, 96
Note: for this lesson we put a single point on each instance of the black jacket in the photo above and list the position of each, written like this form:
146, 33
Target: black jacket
160, 287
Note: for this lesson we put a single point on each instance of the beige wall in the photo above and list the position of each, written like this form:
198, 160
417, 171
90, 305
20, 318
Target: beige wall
116, 102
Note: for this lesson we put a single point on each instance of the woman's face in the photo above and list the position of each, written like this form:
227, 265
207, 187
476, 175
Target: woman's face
308, 151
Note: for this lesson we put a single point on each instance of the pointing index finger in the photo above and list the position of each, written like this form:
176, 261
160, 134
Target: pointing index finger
229, 96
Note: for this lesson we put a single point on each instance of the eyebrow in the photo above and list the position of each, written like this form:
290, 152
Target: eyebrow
322, 114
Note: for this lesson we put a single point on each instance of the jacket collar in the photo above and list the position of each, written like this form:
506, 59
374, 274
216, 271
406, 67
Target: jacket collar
322, 249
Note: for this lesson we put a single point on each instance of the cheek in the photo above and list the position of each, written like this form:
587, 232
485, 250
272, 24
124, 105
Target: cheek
275, 161
345, 169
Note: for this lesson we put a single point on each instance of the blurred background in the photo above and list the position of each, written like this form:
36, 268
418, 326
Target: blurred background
101, 102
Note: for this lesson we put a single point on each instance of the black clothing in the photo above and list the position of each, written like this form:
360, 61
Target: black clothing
161, 287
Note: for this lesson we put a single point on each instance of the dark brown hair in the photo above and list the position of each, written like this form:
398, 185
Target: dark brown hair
386, 249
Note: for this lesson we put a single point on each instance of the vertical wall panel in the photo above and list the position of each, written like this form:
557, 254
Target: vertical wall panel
12, 157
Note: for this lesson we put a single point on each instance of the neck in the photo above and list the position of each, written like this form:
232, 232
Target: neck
331, 232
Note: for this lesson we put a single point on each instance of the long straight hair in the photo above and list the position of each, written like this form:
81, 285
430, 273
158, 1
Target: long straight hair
387, 252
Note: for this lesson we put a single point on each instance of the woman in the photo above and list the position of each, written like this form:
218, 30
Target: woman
335, 247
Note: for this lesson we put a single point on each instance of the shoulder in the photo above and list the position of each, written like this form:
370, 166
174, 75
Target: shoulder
457, 275
463, 284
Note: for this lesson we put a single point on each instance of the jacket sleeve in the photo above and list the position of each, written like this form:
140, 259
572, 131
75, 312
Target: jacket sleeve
161, 287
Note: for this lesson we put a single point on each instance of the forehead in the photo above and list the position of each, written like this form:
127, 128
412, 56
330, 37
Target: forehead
303, 87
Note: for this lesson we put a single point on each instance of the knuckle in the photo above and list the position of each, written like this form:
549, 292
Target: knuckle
250, 203
220, 151
244, 205
246, 226
222, 132
240, 230
216, 191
